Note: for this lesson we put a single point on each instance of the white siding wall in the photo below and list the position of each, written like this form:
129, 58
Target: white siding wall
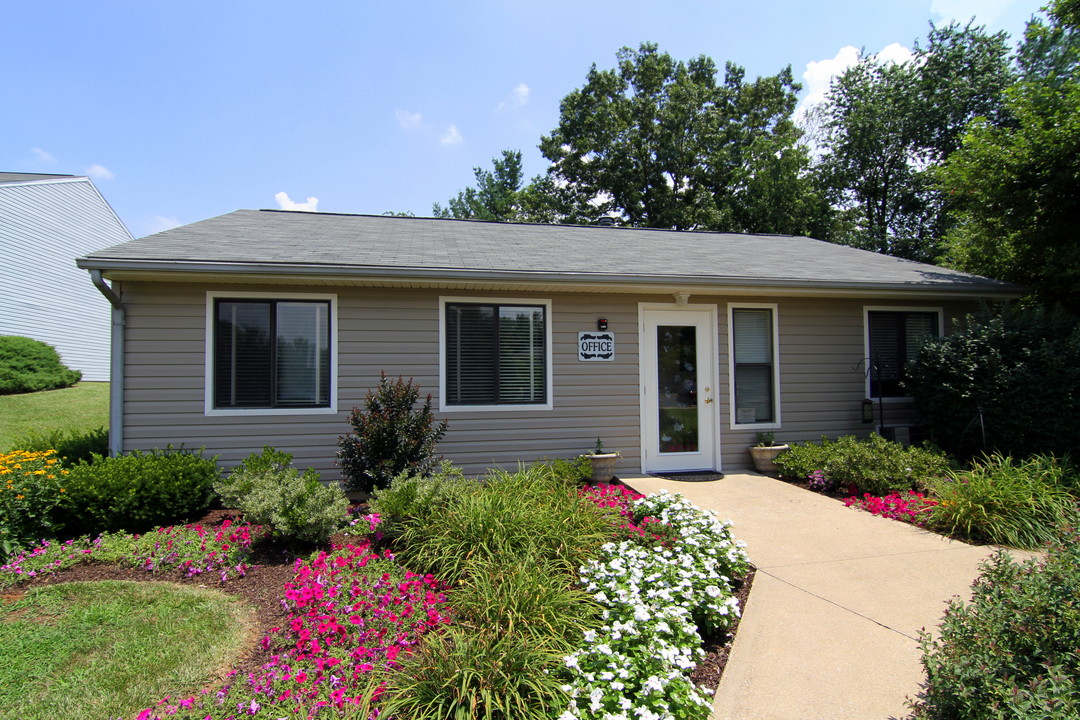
44, 226
822, 386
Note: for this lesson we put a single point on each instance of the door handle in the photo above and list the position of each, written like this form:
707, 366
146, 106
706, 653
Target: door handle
708, 400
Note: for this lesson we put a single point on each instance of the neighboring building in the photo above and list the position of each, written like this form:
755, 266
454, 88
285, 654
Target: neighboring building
46, 221
676, 348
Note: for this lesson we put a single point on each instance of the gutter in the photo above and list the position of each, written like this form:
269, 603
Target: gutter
116, 365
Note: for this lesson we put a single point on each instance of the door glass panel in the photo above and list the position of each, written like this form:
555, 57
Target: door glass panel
676, 382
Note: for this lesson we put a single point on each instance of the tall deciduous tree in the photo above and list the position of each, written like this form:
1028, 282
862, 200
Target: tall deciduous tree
660, 143
1015, 185
496, 195
884, 125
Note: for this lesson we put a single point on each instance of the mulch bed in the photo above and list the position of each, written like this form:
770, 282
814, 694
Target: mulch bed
263, 585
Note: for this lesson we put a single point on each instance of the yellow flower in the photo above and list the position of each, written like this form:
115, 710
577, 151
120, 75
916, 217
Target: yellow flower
18, 497
39, 472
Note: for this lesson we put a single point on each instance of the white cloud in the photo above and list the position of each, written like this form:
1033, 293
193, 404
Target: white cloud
518, 97
409, 120
285, 203
984, 11
43, 156
451, 137
160, 223
99, 172
819, 74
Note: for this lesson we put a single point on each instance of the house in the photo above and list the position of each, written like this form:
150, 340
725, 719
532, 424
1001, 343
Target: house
675, 348
46, 221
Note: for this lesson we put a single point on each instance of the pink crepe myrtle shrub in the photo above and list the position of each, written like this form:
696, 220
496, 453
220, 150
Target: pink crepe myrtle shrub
350, 611
910, 507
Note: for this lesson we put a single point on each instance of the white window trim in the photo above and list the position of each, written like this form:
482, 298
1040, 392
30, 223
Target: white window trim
548, 322
867, 309
208, 376
731, 308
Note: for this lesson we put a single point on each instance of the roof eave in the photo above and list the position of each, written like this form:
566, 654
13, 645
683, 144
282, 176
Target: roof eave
273, 271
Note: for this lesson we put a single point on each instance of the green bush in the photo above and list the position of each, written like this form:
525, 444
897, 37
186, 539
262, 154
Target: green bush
390, 437
578, 470
472, 673
874, 465
137, 492
71, 445
509, 517
1012, 652
1005, 502
414, 499
30, 365
1008, 383
269, 491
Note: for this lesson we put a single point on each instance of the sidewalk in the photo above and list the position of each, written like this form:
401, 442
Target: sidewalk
830, 631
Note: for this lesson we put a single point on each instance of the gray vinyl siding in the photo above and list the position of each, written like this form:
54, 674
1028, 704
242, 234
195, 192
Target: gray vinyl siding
822, 383
44, 226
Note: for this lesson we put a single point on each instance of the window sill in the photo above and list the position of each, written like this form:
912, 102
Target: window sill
258, 412
493, 408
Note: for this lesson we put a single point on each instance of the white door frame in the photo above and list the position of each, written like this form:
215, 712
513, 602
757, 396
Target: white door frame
705, 316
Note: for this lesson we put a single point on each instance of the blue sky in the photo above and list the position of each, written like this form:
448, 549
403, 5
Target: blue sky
184, 110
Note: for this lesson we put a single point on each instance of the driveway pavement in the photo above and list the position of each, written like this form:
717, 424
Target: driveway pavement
830, 631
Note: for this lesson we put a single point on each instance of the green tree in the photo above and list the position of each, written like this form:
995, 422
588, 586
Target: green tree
500, 195
660, 143
1014, 185
884, 126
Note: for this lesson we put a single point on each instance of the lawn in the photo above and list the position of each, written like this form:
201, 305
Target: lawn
76, 409
96, 649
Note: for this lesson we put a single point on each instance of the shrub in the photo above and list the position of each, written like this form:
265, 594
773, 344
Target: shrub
509, 517
71, 446
1012, 651
30, 365
412, 499
577, 470
875, 465
1007, 382
1005, 502
390, 437
31, 484
138, 491
269, 491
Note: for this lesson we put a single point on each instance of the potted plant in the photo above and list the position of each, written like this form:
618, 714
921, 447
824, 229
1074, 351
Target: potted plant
765, 451
603, 463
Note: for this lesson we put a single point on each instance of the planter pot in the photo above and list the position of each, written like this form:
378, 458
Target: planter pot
603, 466
764, 456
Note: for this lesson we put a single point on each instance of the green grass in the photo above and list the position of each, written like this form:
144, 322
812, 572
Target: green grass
82, 407
109, 649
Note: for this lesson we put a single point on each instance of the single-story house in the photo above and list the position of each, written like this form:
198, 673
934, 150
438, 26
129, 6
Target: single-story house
46, 222
674, 348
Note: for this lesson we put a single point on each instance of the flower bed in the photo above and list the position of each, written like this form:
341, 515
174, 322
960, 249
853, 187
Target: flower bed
910, 507
656, 593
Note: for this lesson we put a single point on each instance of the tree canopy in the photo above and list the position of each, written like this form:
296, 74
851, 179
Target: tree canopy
661, 143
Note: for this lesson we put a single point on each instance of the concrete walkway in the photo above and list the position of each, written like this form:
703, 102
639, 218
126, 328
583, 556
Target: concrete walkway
830, 631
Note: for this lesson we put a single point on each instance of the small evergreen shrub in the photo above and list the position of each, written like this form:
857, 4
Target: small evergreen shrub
875, 465
577, 470
137, 492
1006, 502
1012, 651
28, 365
1007, 382
71, 446
390, 436
31, 485
412, 499
269, 491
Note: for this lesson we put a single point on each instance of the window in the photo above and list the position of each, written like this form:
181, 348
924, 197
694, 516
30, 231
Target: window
495, 354
271, 353
893, 340
753, 363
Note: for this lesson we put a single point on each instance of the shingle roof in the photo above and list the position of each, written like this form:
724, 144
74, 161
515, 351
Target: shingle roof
272, 241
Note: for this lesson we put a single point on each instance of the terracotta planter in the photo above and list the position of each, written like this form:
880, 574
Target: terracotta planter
603, 466
764, 456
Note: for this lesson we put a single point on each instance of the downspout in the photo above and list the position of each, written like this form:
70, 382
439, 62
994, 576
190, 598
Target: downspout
116, 366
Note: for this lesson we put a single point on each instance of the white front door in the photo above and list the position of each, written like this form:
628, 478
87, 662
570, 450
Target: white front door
678, 388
